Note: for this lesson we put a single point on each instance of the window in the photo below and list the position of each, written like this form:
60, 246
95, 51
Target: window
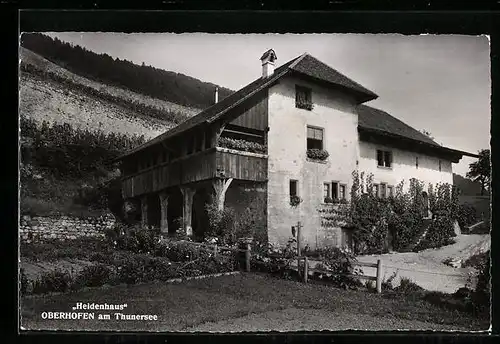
384, 158
303, 99
383, 188
342, 189
314, 138
326, 190
335, 190
293, 188
376, 189
390, 190
416, 162
439, 165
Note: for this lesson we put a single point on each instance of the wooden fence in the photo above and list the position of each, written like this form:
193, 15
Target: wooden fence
304, 271
302, 268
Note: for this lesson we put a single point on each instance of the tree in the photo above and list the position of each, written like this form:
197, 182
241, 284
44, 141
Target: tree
480, 171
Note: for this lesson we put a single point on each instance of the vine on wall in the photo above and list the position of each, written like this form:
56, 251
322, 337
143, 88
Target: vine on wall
402, 215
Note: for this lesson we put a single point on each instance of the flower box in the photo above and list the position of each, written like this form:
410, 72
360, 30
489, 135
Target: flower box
317, 154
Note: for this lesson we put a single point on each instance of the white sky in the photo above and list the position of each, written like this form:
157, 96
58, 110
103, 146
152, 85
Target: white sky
440, 83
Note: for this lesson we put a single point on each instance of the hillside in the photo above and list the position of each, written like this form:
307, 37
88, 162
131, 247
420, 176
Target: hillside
53, 94
31, 58
466, 186
156, 83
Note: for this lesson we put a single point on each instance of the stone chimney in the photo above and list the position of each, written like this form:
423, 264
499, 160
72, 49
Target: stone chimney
267, 60
216, 94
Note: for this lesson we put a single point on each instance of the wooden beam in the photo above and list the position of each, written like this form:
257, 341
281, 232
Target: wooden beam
163, 212
187, 209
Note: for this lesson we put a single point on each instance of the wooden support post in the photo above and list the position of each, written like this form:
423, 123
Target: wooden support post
215, 250
299, 226
144, 212
247, 257
187, 209
379, 276
306, 268
163, 213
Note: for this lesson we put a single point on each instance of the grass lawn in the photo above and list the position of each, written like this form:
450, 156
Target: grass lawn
189, 304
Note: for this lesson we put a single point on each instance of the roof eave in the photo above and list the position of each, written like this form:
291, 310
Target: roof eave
422, 143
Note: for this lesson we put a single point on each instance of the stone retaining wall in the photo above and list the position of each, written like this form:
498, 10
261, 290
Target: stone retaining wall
63, 227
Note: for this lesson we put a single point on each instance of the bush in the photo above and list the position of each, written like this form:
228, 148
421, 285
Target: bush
53, 281
50, 250
407, 286
482, 293
177, 251
24, 282
221, 223
440, 233
133, 238
317, 154
92, 276
340, 263
467, 215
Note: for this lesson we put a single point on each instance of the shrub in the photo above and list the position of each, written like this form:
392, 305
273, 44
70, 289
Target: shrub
482, 293
440, 233
467, 215
407, 286
340, 263
328, 200
92, 276
54, 249
221, 222
53, 281
317, 154
134, 238
387, 284
248, 223
178, 251
24, 282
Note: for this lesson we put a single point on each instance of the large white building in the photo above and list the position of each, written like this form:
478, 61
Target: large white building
300, 130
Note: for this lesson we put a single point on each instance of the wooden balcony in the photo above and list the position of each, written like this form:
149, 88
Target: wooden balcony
204, 165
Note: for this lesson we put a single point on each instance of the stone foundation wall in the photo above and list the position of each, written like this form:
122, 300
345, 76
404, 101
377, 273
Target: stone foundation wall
63, 227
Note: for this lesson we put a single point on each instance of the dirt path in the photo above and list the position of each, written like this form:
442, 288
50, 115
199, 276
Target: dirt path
426, 268
294, 319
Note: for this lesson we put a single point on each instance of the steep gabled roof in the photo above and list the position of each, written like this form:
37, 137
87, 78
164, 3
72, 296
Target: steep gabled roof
314, 68
304, 65
379, 121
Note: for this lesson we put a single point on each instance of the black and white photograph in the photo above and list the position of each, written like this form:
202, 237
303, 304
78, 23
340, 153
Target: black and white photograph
209, 182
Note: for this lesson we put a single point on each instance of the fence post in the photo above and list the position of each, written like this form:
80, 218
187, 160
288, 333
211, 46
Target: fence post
379, 276
299, 226
247, 258
305, 269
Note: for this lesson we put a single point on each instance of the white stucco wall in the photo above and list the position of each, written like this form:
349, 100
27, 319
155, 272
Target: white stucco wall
403, 166
287, 146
